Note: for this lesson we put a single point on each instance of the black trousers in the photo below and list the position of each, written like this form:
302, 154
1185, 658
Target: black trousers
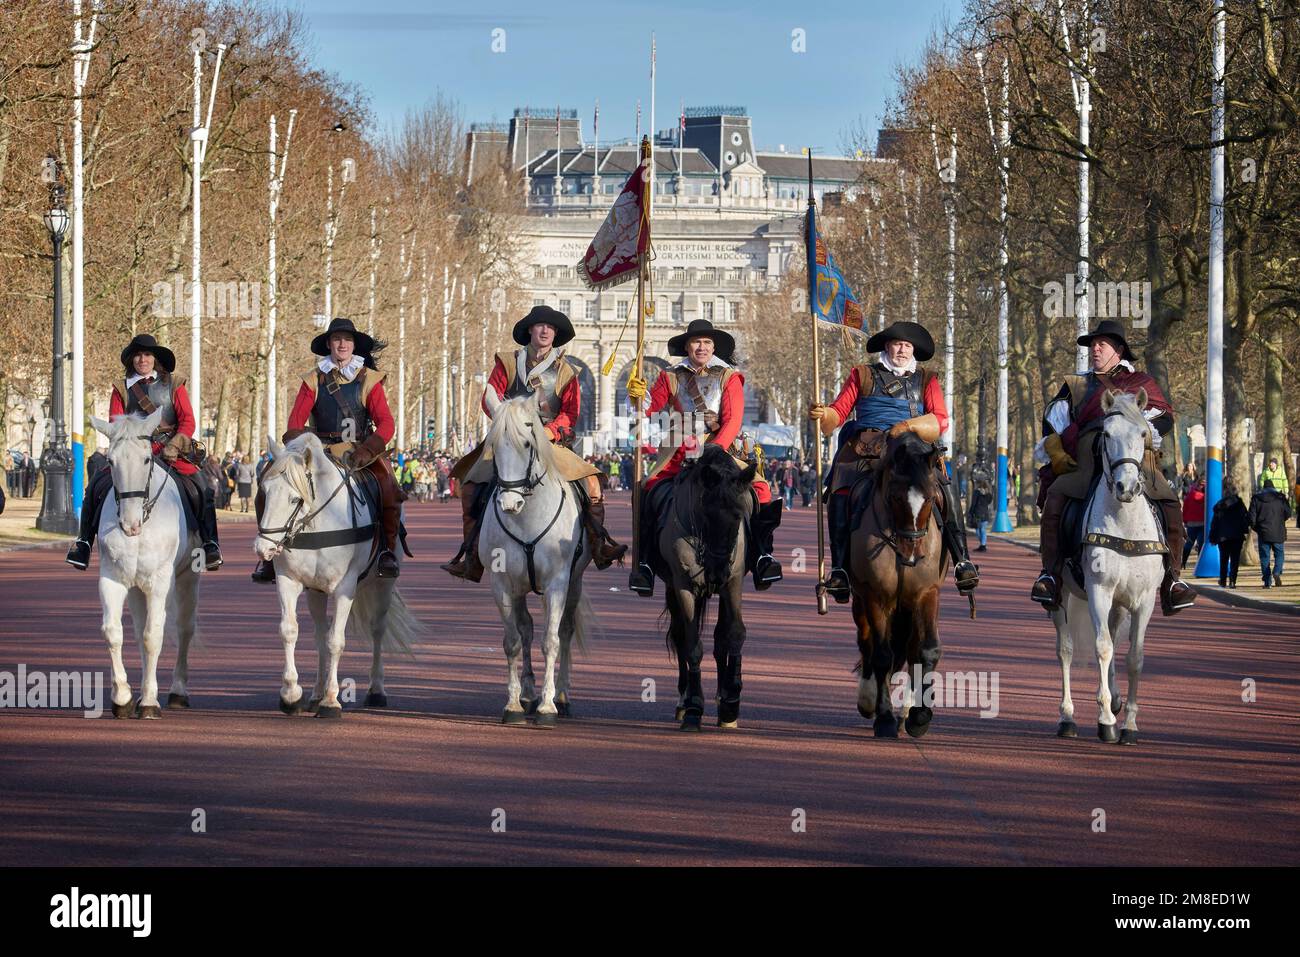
1230, 558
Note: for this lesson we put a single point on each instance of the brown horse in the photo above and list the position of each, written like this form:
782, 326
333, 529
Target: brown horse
896, 565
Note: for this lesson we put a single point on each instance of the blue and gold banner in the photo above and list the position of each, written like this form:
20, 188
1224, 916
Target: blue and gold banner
832, 299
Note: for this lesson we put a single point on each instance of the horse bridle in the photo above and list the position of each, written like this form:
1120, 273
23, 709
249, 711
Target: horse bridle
1109, 464
286, 540
149, 503
525, 485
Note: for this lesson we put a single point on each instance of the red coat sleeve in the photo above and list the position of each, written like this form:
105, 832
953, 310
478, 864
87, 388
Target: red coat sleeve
300, 414
570, 403
377, 406
844, 402
658, 393
496, 381
731, 411
934, 402
115, 405
184, 412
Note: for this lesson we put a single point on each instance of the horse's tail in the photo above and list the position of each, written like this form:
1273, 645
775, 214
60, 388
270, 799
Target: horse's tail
586, 624
402, 629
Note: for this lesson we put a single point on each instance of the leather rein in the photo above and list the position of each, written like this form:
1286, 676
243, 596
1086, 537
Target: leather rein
525, 487
294, 529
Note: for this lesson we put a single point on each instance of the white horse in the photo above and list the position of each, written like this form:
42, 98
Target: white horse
318, 530
147, 557
1122, 570
532, 541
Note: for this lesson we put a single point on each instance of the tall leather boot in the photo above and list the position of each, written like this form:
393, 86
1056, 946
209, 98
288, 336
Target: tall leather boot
1047, 590
466, 563
79, 552
1175, 594
208, 529
837, 522
642, 579
965, 571
604, 550
767, 570
264, 573
390, 518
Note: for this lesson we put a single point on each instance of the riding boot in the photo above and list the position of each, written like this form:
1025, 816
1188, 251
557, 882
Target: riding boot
1175, 594
642, 579
1046, 590
964, 570
79, 553
466, 564
837, 521
265, 570
390, 517
208, 529
604, 550
767, 570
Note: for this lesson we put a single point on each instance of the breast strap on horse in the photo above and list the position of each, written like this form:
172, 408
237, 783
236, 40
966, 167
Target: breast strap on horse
530, 547
311, 541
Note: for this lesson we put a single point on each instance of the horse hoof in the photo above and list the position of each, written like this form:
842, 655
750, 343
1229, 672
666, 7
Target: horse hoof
123, 710
294, 708
564, 709
329, 713
886, 726
375, 699
728, 725
178, 700
513, 717
728, 714
918, 721
1107, 733
679, 714
691, 721
1128, 737
544, 720
1067, 729
149, 712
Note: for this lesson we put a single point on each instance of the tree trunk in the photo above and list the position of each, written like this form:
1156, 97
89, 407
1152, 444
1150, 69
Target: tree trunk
220, 437
1273, 441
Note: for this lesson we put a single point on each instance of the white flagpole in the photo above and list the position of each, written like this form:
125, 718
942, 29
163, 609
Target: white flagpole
1207, 566
81, 44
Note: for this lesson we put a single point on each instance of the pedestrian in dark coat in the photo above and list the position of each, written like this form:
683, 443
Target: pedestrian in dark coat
1268, 514
1229, 526
980, 513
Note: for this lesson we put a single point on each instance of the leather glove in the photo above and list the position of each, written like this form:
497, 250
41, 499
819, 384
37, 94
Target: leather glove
925, 426
1062, 461
366, 452
172, 450
826, 418
636, 388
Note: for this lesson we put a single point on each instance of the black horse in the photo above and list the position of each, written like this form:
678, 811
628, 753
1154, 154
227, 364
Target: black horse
701, 541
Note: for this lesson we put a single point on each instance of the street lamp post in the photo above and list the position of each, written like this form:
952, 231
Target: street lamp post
57, 514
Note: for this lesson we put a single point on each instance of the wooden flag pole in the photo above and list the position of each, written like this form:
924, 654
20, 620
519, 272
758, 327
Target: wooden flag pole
637, 464
816, 384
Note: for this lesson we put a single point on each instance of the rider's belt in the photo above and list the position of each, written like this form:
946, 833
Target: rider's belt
1124, 546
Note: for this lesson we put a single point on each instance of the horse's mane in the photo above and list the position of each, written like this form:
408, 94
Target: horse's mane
516, 421
707, 489
291, 463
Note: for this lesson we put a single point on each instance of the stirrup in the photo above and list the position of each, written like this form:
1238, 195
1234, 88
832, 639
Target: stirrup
971, 573
212, 556
642, 580
79, 558
264, 573
837, 586
389, 568
767, 572
1047, 595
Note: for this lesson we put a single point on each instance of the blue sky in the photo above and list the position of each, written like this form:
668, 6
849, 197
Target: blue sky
568, 54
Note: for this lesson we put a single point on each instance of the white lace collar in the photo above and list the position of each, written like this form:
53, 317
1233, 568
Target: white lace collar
713, 363
348, 370
906, 369
132, 380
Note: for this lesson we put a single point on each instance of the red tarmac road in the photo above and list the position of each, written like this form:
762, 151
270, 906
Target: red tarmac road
1212, 782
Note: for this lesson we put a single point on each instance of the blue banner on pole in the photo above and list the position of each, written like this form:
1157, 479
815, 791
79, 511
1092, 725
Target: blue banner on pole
832, 299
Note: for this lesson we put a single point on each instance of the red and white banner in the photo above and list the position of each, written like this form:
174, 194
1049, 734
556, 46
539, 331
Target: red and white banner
622, 240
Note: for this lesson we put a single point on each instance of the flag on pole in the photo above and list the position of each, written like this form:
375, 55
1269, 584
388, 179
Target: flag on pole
830, 296
621, 242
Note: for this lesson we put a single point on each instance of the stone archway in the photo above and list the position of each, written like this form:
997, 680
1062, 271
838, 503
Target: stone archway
653, 365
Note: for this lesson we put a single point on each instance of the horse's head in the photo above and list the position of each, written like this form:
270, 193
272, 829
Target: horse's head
909, 487
714, 493
130, 458
1126, 435
521, 451
288, 488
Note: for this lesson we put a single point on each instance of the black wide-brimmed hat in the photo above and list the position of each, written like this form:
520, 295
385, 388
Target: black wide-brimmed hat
913, 332
363, 345
144, 343
723, 343
552, 317
1111, 330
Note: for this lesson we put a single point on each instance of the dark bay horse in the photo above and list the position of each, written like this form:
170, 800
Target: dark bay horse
896, 564
701, 554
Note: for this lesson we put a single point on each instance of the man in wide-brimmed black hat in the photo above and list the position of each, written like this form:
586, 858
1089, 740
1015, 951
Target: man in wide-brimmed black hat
879, 401
705, 384
150, 384
342, 400
539, 369
1066, 455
